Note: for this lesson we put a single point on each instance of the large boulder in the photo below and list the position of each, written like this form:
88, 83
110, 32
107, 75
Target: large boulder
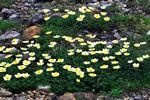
31, 31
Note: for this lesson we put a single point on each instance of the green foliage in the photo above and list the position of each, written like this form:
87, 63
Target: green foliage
108, 80
6, 25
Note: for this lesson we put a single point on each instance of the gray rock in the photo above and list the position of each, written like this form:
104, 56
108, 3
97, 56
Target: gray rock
95, 5
1, 18
37, 18
4, 93
13, 16
9, 34
148, 33
32, 1
27, 5
94, 1
20, 98
117, 35
7, 12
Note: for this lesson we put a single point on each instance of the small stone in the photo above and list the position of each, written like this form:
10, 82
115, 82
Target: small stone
26, 8
85, 95
148, 33
4, 93
20, 98
9, 34
13, 16
31, 31
7, 12
37, 18
27, 5
117, 35
67, 96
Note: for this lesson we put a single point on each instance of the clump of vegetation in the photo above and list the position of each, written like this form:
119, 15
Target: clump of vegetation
69, 62
5, 3
7, 25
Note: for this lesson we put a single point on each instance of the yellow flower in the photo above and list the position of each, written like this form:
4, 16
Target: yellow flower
109, 46
65, 16
47, 18
24, 49
38, 72
8, 65
56, 9
67, 66
126, 46
123, 50
115, 41
116, 67
105, 58
50, 69
106, 18
32, 54
130, 61
71, 13
31, 58
118, 53
36, 36
83, 43
123, 39
115, 62
126, 54
82, 16
88, 10
49, 64
46, 10
79, 50
92, 52
55, 74
40, 63
15, 62
111, 57
25, 41
56, 36
104, 66
79, 19
136, 65
60, 60
103, 13
7, 77
2, 48
145, 56
94, 60
19, 55
140, 59
8, 56
77, 80
71, 53
86, 62
92, 74
49, 32
45, 55
2, 69
18, 75
80, 73
21, 67
26, 62
25, 75
90, 69
85, 53
137, 45
2, 63
52, 60
97, 15
142, 43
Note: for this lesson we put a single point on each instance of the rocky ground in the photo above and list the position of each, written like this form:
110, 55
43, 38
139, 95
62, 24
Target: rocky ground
30, 12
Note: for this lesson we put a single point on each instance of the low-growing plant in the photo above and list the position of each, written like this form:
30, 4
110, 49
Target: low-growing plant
68, 62
7, 25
